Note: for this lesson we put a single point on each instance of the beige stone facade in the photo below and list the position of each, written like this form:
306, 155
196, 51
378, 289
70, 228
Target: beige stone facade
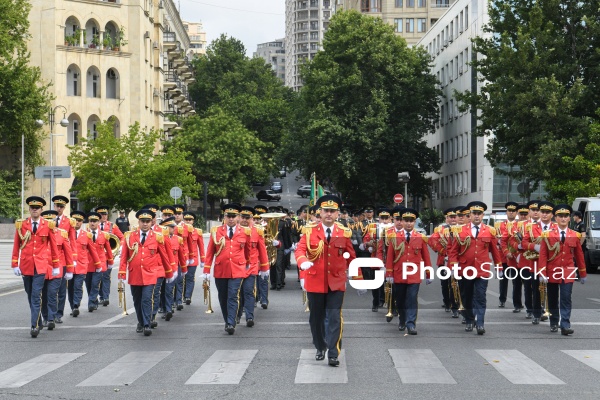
197, 35
411, 18
97, 77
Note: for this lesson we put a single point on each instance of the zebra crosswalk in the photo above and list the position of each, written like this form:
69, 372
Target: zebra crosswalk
228, 367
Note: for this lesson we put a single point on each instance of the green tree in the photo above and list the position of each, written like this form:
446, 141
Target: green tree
538, 64
366, 103
10, 198
223, 153
128, 172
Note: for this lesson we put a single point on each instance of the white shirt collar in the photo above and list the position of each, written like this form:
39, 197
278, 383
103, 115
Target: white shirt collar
327, 227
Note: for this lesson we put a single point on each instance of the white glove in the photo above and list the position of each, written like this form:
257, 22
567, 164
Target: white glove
275, 242
302, 283
55, 271
174, 275
520, 247
543, 279
361, 292
389, 279
582, 280
428, 281
354, 242
171, 280
294, 246
370, 249
537, 248
190, 261
500, 274
202, 265
109, 266
17, 271
68, 276
287, 251
74, 263
361, 247
205, 276
306, 265
98, 269
264, 274
120, 280
184, 273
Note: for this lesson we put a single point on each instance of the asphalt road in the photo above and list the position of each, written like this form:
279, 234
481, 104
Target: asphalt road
289, 198
99, 355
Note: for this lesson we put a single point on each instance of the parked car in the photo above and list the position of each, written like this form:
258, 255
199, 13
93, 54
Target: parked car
419, 227
303, 191
276, 187
268, 195
282, 173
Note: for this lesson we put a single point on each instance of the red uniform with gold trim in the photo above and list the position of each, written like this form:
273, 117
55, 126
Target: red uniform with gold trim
507, 230
197, 247
160, 272
142, 260
558, 261
439, 241
68, 224
103, 249
35, 252
329, 270
87, 253
400, 251
532, 236
466, 250
177, 251
231, 255
259, 260
185, 231
65, 253
111, 228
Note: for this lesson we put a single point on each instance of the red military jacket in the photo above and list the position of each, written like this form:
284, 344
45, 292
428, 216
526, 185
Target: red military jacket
329, 270
558, 261
507, 231
231, 256
185, 231
532, 233
142, 261
400, 251
177, 251
197, 247
68, 224
259, 260
384, 244
34, 252
439, 242
467, 251
65, 253
103, 249
87, 253
111, 228
160, 272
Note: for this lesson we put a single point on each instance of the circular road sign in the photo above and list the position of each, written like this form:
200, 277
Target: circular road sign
175, 192
398, 198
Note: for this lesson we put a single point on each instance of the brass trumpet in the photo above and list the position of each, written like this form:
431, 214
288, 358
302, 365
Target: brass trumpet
206, 287
305, 301
544, 299
389, 301
122, 300
115, 244
456, 293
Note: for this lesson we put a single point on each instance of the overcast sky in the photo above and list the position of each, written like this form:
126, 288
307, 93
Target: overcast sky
251, 21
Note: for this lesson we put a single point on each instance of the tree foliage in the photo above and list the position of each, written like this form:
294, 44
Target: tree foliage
128, 172
366, 103
10, 195
539, 65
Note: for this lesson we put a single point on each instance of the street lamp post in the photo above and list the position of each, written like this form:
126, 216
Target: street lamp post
404, 177
64, 122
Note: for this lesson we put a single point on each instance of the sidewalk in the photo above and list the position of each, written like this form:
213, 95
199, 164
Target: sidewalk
8, 280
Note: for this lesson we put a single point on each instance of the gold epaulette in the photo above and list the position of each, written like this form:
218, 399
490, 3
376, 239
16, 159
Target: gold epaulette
160, 238
127, 234
72, 221
52, 224
347, 233
578, 235
180, 239
64, 233
190, 228
90, 236
19, 223
199, 231
106, 235
545, 234
438, 229
425, 238
180, 229
446, 231
456, 228
307, 229
214, 229
261, 232
493, 230
165, 231
247, 231
339, 224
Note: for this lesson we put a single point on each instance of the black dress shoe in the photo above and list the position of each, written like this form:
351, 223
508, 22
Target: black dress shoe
237, 320
517, 310
147, 331
464, 321
139, 328
230, 329
529, 315
45, 323
163, 316
250, 323
91, 308
34, 332
554, 328
264, 305
153, 324
51, 325
454, 314
179, 307
447, 309
535, 321
75, 312
105, 303
544, 318
566, 331
412, 331
374, 308
501, 305
278, 288
401, 327
58, 320
273, 287
168, 316
334, 362
161, 310
389, 319
188, 301
480, 330
320, 355
469, 328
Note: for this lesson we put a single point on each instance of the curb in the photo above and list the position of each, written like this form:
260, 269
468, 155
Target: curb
9, 287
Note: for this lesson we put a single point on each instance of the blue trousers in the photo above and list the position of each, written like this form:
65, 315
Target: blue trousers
406, 300
62, 295
190, 282
169, 295
34, 284
75, 290
234, 287
142, 301
222, 285
473, 296
326, 321
532, 293
560, 292
179, 287
262, 286
247, 297
156, 296
50, 299
105, 284
92, 284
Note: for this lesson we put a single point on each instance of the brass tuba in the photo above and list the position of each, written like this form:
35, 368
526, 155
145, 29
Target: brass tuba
271, 232
115, 244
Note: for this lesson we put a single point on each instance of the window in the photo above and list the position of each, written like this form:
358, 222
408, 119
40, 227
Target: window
422, 3
466, 143
455, 67
466, 17
460, 62
460, 145
410, 3
466, 59
399, 3
461, 20
398, 24
410, 25
370, 6
450, 111
421, 24
451, 71
443, 81
442, 155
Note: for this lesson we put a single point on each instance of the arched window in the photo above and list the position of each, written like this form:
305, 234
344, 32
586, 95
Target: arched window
93, 82
92, 127
112, 84
110, 34
72, 29
91, 36
73, 80
116, 126
74, 129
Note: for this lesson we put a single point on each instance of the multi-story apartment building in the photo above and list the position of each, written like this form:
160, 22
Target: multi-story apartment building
305, 23
410, 18
119, 60
197, 35
466, 174
273, 53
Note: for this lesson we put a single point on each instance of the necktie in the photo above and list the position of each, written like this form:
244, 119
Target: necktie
562, 237
230, 232
94, 236
328, 234
407, 237
34, 227
545, 227
143, 238
57, 221
476, 231
102, 226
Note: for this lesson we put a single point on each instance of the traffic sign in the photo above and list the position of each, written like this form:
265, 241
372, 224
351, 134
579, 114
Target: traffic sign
175, 192
398, 198
52, 172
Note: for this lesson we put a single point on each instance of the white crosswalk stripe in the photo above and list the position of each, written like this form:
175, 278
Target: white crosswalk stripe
310, 370
591, 358
35, 368
518, 368
126, 369
419, 366
224, 367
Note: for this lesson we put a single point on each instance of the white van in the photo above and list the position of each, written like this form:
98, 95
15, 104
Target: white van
590, 208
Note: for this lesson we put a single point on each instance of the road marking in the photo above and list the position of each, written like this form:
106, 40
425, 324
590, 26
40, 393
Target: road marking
423, 302
518, 368
28, 371
594, 300
116, 318
224, 367
591, 358
420, 366
126, 369
13, 292
312, 371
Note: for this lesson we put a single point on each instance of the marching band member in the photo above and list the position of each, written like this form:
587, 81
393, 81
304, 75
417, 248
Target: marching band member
262, 282
110, 228
439, 241
93, 278
197, 257
34, 253
560, 256
185, 231
180, 258
160, 292
509, 261
139, 262
67, 224
370, 245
